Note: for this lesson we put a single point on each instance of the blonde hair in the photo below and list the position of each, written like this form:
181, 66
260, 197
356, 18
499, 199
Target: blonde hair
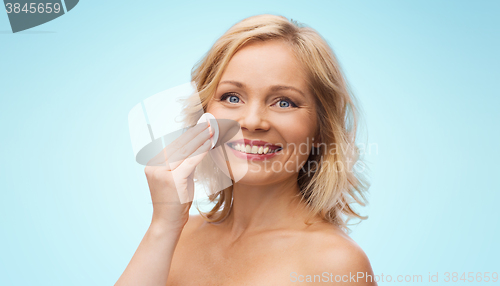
328, 192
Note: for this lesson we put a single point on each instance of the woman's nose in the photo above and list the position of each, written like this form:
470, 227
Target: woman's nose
254, 118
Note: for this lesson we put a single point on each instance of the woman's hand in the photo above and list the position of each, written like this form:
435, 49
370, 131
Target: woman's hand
170, 179
170, 176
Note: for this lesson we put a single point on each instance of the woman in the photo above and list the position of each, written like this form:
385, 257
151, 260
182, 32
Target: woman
276, 225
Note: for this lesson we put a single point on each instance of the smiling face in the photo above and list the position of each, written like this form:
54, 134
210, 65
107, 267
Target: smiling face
264, 89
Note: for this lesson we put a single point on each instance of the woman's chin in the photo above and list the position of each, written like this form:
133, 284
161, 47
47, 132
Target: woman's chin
252, 176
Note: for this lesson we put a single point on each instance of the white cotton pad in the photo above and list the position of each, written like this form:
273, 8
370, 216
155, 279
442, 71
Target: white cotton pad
213, 126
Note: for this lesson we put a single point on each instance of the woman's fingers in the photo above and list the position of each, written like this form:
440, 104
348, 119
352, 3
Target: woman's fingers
188, 150
160, 159
186, 137
187, 166
186, 170
183, 143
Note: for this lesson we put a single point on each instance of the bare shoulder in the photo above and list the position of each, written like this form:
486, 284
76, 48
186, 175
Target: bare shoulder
330, 250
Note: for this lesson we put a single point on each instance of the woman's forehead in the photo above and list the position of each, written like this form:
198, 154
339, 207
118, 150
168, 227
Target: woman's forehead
265, 64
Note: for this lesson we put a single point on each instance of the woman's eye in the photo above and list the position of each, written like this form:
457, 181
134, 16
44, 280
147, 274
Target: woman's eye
282, 102
232, 98
285, 103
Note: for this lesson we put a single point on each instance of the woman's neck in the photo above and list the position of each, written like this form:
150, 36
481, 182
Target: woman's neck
259, 208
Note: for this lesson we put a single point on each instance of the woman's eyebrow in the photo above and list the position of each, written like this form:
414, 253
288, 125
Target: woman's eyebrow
273, 88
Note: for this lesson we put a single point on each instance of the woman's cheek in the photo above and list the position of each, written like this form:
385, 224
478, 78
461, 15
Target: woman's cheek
301, 138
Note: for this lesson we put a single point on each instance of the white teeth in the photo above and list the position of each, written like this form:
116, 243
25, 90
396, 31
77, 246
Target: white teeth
255, 149
252, 149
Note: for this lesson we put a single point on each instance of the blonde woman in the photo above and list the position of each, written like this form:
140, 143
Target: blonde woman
282, 223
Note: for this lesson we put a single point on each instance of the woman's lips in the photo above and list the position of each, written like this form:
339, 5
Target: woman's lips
253, 149
253, 157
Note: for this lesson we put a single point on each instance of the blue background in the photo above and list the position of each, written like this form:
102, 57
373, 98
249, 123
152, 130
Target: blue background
74, 205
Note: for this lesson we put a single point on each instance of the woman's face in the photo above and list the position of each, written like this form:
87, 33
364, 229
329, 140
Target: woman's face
264, 89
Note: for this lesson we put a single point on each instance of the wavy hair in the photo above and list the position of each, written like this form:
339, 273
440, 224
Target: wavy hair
335, 184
